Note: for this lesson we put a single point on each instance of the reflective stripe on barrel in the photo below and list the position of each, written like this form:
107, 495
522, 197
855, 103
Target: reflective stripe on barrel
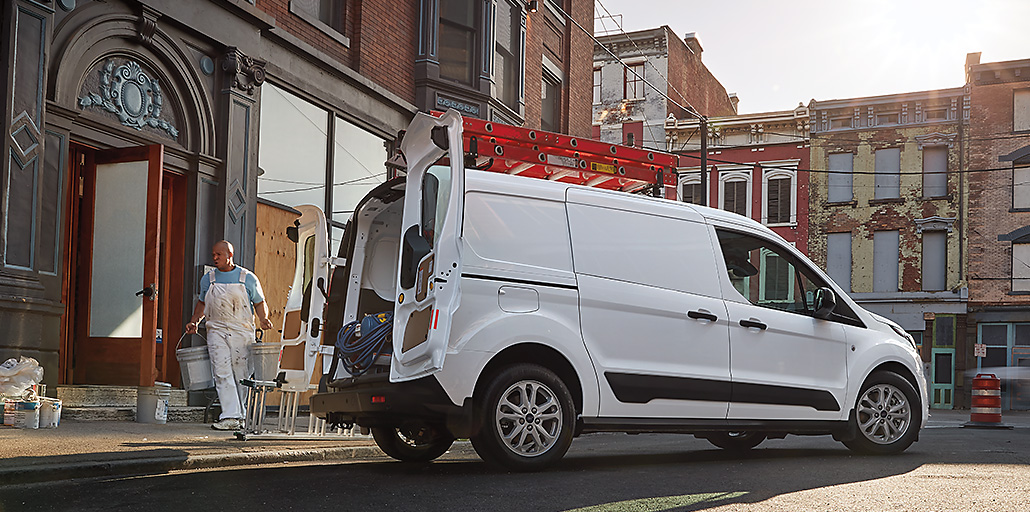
986, 403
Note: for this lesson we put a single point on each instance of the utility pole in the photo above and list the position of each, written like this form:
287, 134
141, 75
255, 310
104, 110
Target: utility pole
703, 125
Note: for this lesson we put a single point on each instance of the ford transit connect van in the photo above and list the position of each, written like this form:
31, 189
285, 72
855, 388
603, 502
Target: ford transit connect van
521, 313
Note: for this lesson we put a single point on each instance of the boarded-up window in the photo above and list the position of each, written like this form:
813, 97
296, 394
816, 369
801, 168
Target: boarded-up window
1021, 110
838, 259
1021, 267
1021, 188
885, 261
888, 173
735, 197
935, 167
935, 260
840, 181
778, 201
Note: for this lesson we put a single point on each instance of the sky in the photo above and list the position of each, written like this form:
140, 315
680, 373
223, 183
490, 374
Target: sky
775, 54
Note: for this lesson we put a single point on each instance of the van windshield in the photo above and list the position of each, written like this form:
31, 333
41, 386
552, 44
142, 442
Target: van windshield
436, 192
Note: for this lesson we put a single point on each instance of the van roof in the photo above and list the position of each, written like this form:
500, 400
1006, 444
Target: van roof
476, 180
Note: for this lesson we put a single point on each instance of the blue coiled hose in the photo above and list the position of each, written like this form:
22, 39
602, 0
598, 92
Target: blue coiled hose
358, 353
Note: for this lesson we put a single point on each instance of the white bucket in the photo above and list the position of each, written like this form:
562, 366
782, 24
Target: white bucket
264, 360
195, 365
21, 414
49, 412
152, 403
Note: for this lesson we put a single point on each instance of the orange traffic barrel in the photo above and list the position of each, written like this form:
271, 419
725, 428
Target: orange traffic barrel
985, 409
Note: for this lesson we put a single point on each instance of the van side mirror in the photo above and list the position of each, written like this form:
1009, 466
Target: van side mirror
415, 248
825, 302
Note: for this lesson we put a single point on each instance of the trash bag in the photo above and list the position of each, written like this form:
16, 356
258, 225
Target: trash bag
17, 376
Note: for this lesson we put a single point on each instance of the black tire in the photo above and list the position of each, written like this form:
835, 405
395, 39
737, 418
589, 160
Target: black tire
736, 441
886, 416
418, 443
538, 436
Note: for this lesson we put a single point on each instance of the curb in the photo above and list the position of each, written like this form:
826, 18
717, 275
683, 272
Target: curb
157, 465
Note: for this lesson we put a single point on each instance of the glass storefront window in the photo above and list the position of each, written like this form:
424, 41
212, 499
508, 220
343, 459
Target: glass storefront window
359, 165
292, 151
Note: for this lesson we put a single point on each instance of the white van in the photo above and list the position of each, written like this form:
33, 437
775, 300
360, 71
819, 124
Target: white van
526, 312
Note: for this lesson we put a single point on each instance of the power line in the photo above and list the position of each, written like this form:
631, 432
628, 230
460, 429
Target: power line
827, 171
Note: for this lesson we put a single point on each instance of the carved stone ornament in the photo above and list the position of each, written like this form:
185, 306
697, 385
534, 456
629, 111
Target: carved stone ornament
935, 139
935, 223
127, 92
247, 73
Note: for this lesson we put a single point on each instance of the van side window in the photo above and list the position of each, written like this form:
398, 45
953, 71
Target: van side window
436, 190
766, 275
508, 232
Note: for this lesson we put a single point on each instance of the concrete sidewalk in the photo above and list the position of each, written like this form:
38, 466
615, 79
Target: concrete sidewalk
80, 449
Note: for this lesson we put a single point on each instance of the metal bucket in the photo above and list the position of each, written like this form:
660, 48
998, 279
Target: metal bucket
195, 365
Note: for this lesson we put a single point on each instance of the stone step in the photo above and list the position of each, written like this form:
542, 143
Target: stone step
81, 396
175, 414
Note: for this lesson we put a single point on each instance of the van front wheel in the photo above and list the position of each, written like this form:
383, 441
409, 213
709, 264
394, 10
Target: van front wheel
413, 443
525, 420
886, 415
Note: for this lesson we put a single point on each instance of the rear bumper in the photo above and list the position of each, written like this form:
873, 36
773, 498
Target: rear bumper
385, 404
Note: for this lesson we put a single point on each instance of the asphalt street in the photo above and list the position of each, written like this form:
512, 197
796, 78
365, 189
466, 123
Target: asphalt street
950, 468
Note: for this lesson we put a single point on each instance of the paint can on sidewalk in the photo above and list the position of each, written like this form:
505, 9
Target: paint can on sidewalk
21, 414
49, 412
152, 403
264, 360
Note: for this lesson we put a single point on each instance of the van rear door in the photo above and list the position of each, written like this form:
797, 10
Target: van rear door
428, 288
302, 316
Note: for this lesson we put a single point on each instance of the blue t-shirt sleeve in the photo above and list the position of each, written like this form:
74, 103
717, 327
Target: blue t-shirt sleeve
257, 295
205, 283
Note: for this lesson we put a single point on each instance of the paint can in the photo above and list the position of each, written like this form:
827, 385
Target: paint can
49, 412
264, 360
195, 366
152, 403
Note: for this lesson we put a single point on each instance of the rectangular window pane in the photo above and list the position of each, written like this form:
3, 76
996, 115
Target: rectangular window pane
292, 150
1021, 267
935, 166
457, 39
691, 193
888, 173
634, 81
942, 368
778, 205
838, 259
840, 182
1021, 110
597, 86
994, 335
549, 108
1021, 187
507, 58
944, 331
735, 197
1022, 334
885, 261
935, 260
358, 166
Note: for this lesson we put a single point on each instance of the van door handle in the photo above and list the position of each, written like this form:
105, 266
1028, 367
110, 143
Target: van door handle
702, 315
753, 323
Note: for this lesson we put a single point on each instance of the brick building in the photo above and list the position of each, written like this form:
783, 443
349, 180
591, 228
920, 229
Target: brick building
757, 167
139, 132
998, 144
888, 219
625, 110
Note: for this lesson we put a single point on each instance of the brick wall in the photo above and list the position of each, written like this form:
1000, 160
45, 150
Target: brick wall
688, 74
990, 192
571, 50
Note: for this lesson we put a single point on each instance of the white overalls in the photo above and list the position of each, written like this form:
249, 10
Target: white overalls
230, 331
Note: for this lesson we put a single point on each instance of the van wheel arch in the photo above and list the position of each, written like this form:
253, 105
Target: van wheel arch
538, 354
897, 368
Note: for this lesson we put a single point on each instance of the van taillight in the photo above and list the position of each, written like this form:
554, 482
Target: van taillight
379, 399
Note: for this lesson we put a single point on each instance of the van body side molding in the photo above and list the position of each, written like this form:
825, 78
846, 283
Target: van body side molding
519, 281
640, 389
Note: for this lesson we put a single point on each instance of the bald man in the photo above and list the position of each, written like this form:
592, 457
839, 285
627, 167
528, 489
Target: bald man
230, 295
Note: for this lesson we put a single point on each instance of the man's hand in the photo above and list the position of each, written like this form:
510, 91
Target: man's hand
191, 328
265, 323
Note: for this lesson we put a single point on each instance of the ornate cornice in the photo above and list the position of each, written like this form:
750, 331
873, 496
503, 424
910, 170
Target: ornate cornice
246, 73
935, 139
935, 223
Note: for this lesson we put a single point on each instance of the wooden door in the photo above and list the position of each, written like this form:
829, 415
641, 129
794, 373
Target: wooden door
117, 277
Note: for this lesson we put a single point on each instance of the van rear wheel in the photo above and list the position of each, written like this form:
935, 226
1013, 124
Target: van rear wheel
526, 419
886, 415
413, 443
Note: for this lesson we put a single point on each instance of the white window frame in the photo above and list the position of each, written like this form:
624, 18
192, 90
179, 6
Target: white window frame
735, 174
598, 76
692, 176
1021, 105
764, 272
769, 174
1021, 182
1020, 270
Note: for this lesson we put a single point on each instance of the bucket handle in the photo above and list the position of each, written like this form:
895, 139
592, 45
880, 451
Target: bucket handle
184, 337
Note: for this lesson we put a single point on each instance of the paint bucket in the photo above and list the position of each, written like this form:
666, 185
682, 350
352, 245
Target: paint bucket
152, 403
195, 366
21, 414
49, 412
264, 360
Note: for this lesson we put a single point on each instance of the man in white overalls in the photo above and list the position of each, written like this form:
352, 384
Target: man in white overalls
229, 296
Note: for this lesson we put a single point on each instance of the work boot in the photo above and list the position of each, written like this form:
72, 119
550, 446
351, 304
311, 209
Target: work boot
227, 424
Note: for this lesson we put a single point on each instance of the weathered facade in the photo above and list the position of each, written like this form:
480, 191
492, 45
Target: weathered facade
998, 156
628, 111
139, 132
888, 216
757, 166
